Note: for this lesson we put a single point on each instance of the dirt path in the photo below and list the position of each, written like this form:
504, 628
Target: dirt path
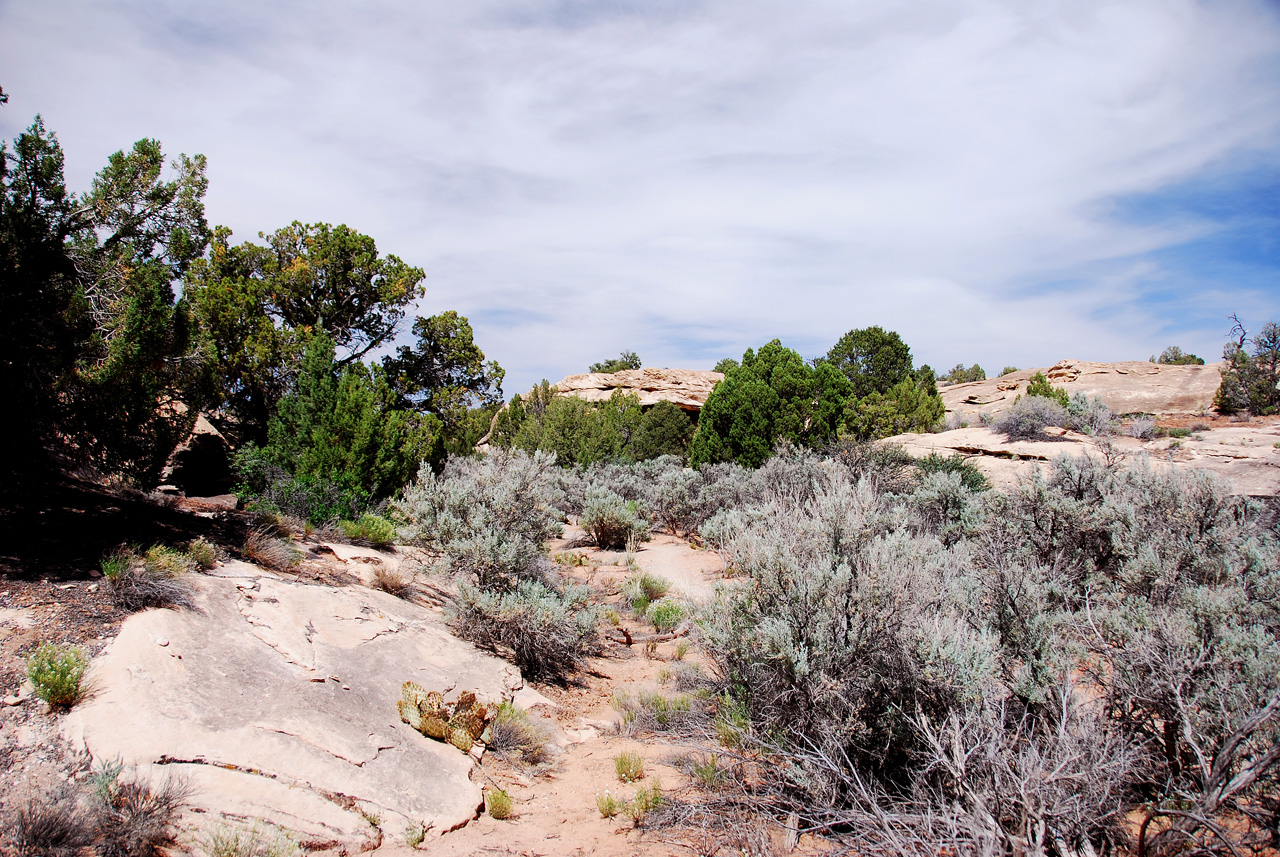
555, 814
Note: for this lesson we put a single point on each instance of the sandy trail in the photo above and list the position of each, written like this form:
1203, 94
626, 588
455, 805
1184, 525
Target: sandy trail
556, 813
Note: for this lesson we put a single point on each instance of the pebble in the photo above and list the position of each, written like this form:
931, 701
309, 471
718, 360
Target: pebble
161, 641
13, 700
93, 587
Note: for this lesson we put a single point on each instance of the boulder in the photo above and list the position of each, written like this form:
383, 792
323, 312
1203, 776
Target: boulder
1130, 387
276, 701
688, 388
201, 465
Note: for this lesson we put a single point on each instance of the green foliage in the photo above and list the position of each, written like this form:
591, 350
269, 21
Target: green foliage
644, 587
612, 521
260, 306
626, 360
56, 673
444, 373
911, 405
772, 396
547, 634
94, 349
726, 365
970, 476
665, 614
665, 429
498, 802
629, 767
202, 554
369, 529
608, 804
1039, 386
1174, 356
960, 375
1250, 382
158, 578
1008, 370
873, 359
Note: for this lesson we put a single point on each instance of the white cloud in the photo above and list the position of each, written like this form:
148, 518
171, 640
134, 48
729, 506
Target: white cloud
689, 179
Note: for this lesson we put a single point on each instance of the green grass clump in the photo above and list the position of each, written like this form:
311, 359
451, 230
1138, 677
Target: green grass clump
645, 802
643, 588
608, 804
202, 554
57, 673
629, 767
665, 614
498, 802
117, 563
373, 530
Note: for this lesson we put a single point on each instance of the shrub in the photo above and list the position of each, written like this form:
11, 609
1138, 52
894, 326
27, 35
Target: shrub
1039, 387
643, 587
608, 804
611, 521
202, 554
627, 360
372, 530
517, 735
53, 823
646, 801
498, 802
266, 486
911, 405
960, 375
1027, 417
136, 818
665, 614
161, 561
629, 767
962, 465
1090, 417
394, 580
257, 841
266, 550
57, 672
1008, 370
1250, 382
1173, 355
1143, 428
548, 634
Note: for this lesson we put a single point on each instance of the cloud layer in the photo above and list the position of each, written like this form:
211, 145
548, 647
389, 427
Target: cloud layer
1000, 182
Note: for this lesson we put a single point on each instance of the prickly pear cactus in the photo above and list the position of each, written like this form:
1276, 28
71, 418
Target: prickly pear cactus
460, 724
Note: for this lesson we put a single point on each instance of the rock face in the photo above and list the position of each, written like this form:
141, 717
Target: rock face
276, 700
201, 465
1246, 456
1127, 388
688, 388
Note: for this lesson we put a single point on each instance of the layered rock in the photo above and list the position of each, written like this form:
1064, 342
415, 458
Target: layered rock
1129, 387
276, 700
688, 388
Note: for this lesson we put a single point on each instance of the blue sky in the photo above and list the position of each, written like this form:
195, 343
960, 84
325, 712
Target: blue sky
1000, 182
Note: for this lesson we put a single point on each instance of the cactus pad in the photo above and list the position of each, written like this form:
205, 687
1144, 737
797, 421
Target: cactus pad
460, 724
460, 739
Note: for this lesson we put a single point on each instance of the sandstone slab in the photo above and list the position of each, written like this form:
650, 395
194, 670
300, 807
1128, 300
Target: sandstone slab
688, 388
276, 700
1128, 388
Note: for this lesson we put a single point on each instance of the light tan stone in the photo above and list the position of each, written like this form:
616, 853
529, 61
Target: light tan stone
688, 388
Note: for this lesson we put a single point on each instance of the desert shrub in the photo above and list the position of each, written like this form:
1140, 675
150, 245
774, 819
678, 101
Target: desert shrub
665, 614
609, 804
268, 551
488, 516
611, 520
56, 673
947, 506
546, 633
1008, 370
52, 823
1143, 428
157, 578
202, 554
1173, 355
498, 803
257, 841
961, 465
1027, 417
394, 580
369, 529
266, 486
643, 587
960, 375
646, 800
1090, 417
516, 735
888, 465
136, 817
629, 767
1039, 387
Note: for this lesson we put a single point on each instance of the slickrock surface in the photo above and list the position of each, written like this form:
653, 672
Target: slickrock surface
1131, 387
1246, 455
276, 700
688, 388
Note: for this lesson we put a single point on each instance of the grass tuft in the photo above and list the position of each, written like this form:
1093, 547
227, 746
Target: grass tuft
57, 673
629, 767
498, 802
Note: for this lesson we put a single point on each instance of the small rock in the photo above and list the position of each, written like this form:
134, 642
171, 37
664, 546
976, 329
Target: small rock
344, 687
93, 587
13, 700
67, 586
477, 751
161, 641
93, 572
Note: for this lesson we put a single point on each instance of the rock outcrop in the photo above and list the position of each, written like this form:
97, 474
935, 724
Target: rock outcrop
688, 388
1128, 388
201, 465
277, 700
1247, 456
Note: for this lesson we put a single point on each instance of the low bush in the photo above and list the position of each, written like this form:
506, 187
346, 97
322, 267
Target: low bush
371, 530
547, 633
1028, 416
517, 736
1039, 387
1143, 428
1090, 417
157, 578
642, 588
57, 673
395, 580
498, 802
629, 767
55, 823
665, 614
264, 549
611, 520
257, 841
202, 554
962, 465
136, 818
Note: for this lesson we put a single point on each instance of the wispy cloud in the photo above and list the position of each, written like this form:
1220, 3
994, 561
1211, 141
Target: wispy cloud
1000, 182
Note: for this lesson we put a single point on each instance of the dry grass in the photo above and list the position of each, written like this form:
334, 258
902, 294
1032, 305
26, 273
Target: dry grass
56, 823
264, 549
517, 736
397, 580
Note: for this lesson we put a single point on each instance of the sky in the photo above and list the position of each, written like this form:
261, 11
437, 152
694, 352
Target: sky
1005, 183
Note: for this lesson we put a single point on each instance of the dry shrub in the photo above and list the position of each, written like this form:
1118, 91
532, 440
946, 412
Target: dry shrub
135, 818
50, 824
257, 841
156, 579
395, 580
515, 735
264, 549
